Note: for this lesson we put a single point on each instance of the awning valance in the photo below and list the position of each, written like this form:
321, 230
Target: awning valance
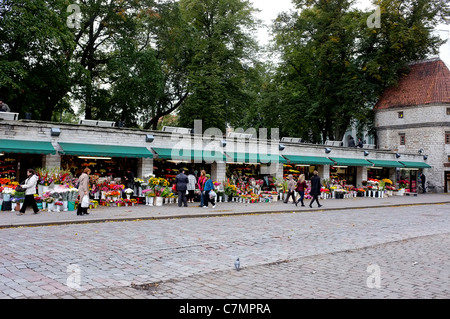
351, 162
29, 147
308, 160
182, 154
386, 163
415, 165
254, 158
78, 149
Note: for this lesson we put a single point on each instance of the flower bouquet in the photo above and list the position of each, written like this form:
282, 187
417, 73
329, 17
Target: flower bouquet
129, 192
58, 205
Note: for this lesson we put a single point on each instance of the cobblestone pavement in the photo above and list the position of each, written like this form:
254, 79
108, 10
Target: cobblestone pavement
390, 252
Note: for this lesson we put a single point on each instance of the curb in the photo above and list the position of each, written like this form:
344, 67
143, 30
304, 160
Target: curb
208, 215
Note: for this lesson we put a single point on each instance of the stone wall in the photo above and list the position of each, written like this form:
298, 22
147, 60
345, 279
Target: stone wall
74, 133
424, 128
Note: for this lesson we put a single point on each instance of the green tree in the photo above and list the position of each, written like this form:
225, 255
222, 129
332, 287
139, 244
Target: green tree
222, 57
334, 67
34, 42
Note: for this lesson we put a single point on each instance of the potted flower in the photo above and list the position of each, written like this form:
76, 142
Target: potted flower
58, 205
149, 196
402, 184
128, 192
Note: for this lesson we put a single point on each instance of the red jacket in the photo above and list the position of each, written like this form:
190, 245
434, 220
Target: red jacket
301, 187
201, 182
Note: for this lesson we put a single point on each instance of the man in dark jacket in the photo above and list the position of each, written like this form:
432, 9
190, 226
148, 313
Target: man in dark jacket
3, 106
315, 188
181, 180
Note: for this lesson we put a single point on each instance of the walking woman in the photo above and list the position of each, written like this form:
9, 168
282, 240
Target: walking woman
301, 186
315, 189
30, 190
201, 185
83, 189
291, 189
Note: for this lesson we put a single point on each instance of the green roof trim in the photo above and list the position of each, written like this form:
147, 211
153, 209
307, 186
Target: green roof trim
28, 147
351, 162
255, 158
308, 160
189, 155
77, 149
386, 163
415, 165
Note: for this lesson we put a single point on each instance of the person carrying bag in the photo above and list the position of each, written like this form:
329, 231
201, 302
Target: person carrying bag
29, 187
83, 191
209, 187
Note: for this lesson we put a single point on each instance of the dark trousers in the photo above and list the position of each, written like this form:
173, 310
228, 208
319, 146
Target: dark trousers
191, 195
315, 198
182, 199
202, 199
289, 195
302, 196
29, 200
207, 199
81, 210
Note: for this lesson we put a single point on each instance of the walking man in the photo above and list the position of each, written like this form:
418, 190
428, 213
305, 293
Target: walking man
182, 180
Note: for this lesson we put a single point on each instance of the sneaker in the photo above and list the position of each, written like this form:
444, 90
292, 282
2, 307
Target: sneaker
214, 206
205, 206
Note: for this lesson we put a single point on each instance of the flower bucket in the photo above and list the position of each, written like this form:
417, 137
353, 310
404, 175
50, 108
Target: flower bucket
51, 207
6, 197
71, 206
158, 201
39, 205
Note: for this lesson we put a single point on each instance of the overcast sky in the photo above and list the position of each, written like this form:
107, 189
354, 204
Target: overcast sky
271, 8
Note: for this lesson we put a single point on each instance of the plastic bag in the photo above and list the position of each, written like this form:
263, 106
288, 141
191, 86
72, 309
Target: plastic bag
212, 194
85, 202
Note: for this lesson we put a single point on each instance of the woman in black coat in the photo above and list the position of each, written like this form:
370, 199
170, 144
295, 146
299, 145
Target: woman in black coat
315, 188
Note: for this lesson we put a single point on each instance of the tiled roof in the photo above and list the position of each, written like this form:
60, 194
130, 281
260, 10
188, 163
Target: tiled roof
428, 82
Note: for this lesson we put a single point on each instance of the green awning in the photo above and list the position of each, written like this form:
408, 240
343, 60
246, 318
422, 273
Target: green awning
77, 149
351, 162
189, 155
308, 160
385, 163
29, 147
255, 158
415, 165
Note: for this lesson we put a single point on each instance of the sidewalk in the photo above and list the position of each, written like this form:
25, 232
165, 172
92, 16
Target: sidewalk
141, 212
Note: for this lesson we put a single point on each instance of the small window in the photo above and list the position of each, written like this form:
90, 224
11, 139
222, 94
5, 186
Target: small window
400, 115
447, 137
402, 139
448, 111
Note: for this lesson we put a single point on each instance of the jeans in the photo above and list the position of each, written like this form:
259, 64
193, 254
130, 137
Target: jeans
302, 196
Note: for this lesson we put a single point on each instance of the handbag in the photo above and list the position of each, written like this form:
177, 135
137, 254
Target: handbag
20, 189
85, 202
174, 187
